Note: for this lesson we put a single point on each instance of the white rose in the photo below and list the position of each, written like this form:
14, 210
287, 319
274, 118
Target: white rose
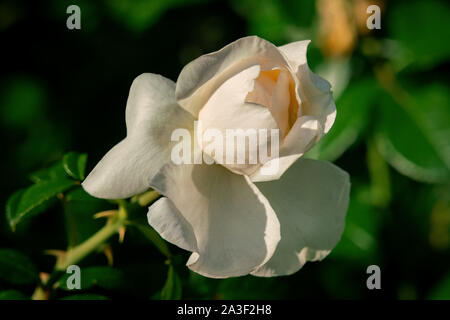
235, 219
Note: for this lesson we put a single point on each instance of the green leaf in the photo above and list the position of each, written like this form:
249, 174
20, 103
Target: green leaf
442, 290
363, 222
23, 101
74, 164
202, 287
13, 295
351, 119
17, 268
101, 276
413, 135
12, 204
34, 200
172, 287
379, 176
150, 234
337, 72
277, 21
85, 296
249, 287
423, 35
139, 15
54, 172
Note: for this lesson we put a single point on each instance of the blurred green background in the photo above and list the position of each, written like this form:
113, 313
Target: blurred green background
63, 90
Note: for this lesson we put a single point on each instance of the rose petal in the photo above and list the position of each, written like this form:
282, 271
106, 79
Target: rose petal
310, 201
235, 228
303, 135
165, 218
314, 91
151, 116
201, 77
227, 110
272, 90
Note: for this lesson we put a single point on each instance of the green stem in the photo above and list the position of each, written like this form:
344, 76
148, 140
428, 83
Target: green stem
79, 252
76, 254
379, 176
146, 198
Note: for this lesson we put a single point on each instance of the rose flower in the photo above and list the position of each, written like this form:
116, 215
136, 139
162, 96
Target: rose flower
235, 218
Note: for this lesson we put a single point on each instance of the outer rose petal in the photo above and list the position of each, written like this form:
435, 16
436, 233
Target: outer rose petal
314, 91
234, 226
151, 116
310, 201
165, 218
201, 77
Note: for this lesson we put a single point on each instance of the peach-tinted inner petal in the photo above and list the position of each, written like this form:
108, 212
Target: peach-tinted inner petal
275, 90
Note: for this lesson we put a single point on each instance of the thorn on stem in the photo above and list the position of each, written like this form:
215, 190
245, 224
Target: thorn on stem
105, 214
122, 234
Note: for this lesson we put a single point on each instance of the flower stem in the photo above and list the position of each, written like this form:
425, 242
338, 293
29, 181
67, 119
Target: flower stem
76, 254
79, 252
146, 198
